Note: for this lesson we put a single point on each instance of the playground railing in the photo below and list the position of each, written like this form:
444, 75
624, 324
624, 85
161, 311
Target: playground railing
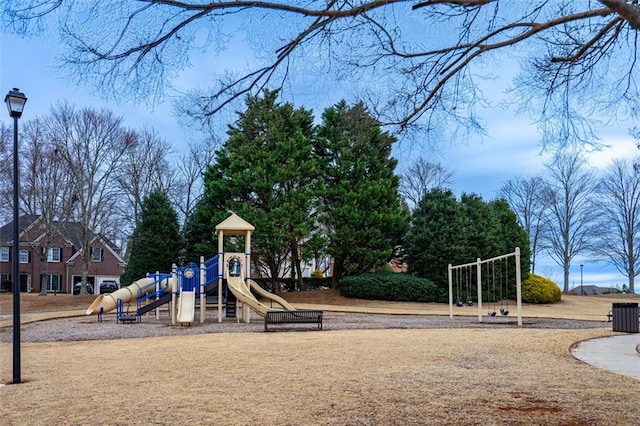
211, 269
145, 294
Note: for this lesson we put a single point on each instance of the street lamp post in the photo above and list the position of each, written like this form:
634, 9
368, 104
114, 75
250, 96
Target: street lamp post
581, 290
15, 101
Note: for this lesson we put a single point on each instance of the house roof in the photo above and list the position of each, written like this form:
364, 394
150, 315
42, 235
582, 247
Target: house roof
70, 231
590, 290
24, 222
106, 243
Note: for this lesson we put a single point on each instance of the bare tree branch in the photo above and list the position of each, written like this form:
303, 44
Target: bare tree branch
420, 61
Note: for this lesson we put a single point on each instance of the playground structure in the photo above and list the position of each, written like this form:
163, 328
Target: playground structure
224, 275
464, 273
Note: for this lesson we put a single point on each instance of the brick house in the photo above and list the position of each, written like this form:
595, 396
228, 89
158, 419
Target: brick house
63, 262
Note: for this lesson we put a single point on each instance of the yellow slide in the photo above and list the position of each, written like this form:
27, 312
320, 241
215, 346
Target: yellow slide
267, 295
109, 302
243, 294
187, 306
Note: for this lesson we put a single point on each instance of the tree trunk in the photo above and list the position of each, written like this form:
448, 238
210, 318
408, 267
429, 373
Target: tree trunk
295, 260
338, 270
274, 271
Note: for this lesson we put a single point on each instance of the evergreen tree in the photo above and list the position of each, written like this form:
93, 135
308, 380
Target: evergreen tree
446, 231
436, 237
481, 230
361, 210
199, 232
266, 172
156, 244
512, 234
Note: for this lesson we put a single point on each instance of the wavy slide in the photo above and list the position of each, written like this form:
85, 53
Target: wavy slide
109, 302
244, 295
268, 295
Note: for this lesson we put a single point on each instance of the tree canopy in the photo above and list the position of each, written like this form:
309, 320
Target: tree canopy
446, 231
618, 224
361, 211
309, 190
415, 63
570, 211
266, 173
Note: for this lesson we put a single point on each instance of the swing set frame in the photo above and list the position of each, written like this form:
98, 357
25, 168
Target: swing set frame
478, 264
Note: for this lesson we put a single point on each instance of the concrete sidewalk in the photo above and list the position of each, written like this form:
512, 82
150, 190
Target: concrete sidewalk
618, 354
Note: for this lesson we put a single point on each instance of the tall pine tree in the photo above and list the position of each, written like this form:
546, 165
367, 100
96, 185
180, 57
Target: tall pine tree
361, 209
435, 237
267, 173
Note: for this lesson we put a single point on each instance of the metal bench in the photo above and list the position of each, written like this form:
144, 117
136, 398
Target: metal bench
293, 317
610, 316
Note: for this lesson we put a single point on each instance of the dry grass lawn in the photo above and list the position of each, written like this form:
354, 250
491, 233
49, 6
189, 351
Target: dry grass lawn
357, 377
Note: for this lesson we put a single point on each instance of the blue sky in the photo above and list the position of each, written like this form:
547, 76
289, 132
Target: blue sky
480, 165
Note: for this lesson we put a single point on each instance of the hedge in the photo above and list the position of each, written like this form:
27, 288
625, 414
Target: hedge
392, 287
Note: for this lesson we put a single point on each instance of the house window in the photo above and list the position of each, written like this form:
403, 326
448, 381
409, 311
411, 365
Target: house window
24, 256
5, 282
96, 254
53, 255
53, 283
4, 254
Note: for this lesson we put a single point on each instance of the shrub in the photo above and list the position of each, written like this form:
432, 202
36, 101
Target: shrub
292, 284
391, 286
537, 289
383, 269
317, 273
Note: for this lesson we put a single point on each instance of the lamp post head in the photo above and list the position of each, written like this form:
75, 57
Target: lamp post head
15, 101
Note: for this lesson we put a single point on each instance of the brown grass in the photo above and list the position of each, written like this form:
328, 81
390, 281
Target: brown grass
358, 377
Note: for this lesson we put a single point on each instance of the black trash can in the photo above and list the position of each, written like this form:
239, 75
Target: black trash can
625, 317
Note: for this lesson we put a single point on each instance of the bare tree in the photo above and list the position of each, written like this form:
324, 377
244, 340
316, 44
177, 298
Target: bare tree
526, 198
418, 62
619, 218
571, 215
6, 172
191, 167
91, 145
421, 177
145, 167
45, 189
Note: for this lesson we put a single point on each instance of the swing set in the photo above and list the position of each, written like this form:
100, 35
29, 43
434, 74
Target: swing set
496, 279
464, 277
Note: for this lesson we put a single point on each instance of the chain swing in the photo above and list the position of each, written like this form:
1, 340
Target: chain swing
492, 312
504, 310
469, 300
458, 288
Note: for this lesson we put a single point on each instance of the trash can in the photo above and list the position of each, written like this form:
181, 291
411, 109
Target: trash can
625, 317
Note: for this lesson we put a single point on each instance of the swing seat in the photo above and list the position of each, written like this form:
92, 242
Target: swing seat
459, 304
491, 313
504, 311
469, 302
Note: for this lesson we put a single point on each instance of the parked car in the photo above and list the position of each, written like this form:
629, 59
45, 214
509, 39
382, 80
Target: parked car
78, 286
108, 286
